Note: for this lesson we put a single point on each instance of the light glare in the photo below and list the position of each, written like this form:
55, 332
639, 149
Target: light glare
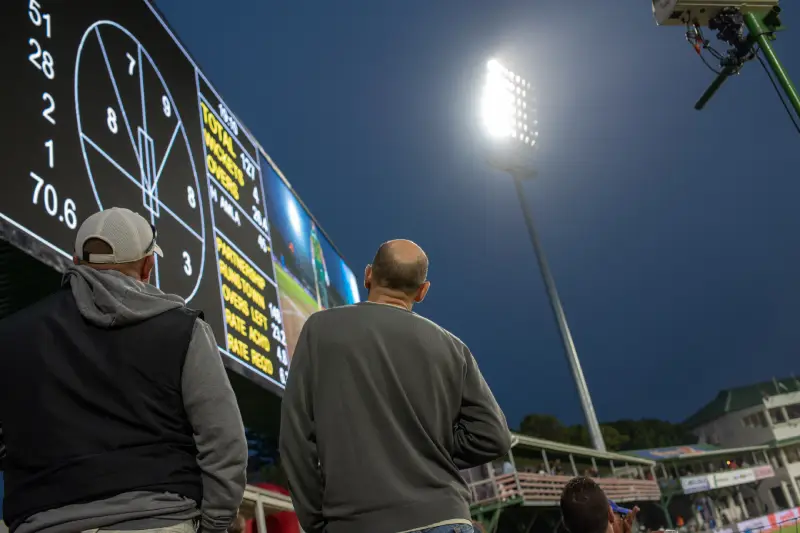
503, 104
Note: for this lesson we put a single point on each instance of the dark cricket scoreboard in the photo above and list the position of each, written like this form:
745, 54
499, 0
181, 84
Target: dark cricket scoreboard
105, 108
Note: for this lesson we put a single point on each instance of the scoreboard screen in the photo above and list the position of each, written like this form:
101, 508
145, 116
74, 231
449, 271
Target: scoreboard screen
105, 108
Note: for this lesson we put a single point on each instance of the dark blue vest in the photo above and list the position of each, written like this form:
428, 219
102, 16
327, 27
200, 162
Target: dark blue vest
89, 413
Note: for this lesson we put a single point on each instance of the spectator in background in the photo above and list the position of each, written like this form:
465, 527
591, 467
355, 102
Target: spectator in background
385, 407
586, 509
116, 410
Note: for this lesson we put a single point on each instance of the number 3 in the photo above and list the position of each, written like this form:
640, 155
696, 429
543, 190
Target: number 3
187, 264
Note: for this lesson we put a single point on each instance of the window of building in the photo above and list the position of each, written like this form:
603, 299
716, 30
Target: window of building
779, 497
793, 411
776, 413
757, 420
791, 454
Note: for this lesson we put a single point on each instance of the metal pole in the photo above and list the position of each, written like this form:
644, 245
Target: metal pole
762, 35
566, 337
726, 73
516, 473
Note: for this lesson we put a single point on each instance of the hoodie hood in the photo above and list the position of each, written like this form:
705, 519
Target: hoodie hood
108, 298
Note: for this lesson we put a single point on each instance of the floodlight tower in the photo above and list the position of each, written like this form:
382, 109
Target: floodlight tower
508, 108
729, 18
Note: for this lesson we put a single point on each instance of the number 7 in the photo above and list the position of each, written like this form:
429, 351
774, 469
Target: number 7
132, 65
39, 184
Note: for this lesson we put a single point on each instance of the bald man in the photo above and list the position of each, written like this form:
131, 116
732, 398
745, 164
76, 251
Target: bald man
382, 409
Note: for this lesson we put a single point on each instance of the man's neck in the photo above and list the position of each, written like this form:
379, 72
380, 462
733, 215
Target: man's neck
387, 299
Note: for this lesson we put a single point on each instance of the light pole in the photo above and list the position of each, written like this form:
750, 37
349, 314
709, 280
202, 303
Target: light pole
509, 115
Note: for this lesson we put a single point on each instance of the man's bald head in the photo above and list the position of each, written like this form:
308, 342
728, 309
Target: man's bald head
400, 265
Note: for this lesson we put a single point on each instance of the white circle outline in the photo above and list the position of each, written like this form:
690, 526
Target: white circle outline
177, 115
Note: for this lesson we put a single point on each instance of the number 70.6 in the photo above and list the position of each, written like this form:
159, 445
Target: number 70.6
48, 193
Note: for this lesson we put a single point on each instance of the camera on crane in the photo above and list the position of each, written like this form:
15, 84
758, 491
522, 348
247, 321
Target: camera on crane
683, 12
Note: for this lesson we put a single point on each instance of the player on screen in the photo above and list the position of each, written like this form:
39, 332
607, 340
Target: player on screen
321, 279
116, 411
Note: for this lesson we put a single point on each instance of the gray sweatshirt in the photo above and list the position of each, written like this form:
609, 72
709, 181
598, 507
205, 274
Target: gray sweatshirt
381, 410
108, 298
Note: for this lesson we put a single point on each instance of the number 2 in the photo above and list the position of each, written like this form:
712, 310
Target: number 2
187, 263
48, 111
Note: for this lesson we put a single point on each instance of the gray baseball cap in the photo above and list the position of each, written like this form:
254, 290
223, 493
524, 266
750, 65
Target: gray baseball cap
130, 236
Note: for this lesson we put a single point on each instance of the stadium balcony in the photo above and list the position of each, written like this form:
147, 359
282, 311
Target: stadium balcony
705, 486
536, 470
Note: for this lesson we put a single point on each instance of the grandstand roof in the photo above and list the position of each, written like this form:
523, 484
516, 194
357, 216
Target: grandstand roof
548, 445
691, 452
739, 398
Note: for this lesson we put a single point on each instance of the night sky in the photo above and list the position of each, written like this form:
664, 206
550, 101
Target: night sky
672, 234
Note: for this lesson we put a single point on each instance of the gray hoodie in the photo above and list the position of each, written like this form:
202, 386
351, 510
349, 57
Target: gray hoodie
108, 298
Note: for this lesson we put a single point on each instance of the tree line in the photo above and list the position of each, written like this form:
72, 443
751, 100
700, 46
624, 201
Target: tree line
620, 435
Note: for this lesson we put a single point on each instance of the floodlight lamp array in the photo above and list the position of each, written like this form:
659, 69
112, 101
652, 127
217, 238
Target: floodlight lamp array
508, 105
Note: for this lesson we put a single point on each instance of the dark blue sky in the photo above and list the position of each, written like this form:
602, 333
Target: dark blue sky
672, 234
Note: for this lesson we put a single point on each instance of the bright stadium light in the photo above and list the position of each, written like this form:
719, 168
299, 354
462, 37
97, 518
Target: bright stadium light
508, 111
507, 104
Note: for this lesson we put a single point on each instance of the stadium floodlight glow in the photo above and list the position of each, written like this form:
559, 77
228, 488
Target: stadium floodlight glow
508, 110
506, 104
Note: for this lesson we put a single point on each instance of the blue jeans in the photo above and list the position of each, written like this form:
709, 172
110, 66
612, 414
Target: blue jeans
450, 528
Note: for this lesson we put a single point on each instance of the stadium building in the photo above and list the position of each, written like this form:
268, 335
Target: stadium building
764, 414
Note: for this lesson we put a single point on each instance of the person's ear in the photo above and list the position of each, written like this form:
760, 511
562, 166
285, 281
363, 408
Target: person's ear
75, 260
422, 292
611, 516
368, 277
147, 268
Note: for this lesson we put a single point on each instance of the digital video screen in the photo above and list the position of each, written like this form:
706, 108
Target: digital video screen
109, 110
311, 274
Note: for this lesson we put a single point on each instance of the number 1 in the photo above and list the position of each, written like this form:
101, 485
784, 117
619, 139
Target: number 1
49, 145
46, 18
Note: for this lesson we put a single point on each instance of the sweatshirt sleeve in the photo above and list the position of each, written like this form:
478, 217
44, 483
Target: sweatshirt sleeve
218, 430
481, 433
298, 440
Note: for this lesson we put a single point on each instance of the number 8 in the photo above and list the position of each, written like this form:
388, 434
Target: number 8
111, 120
48, 66
167, 106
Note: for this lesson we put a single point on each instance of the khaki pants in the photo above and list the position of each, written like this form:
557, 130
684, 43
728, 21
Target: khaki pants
182, 527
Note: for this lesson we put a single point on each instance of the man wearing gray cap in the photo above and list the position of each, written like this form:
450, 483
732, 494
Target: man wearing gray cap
116, 411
